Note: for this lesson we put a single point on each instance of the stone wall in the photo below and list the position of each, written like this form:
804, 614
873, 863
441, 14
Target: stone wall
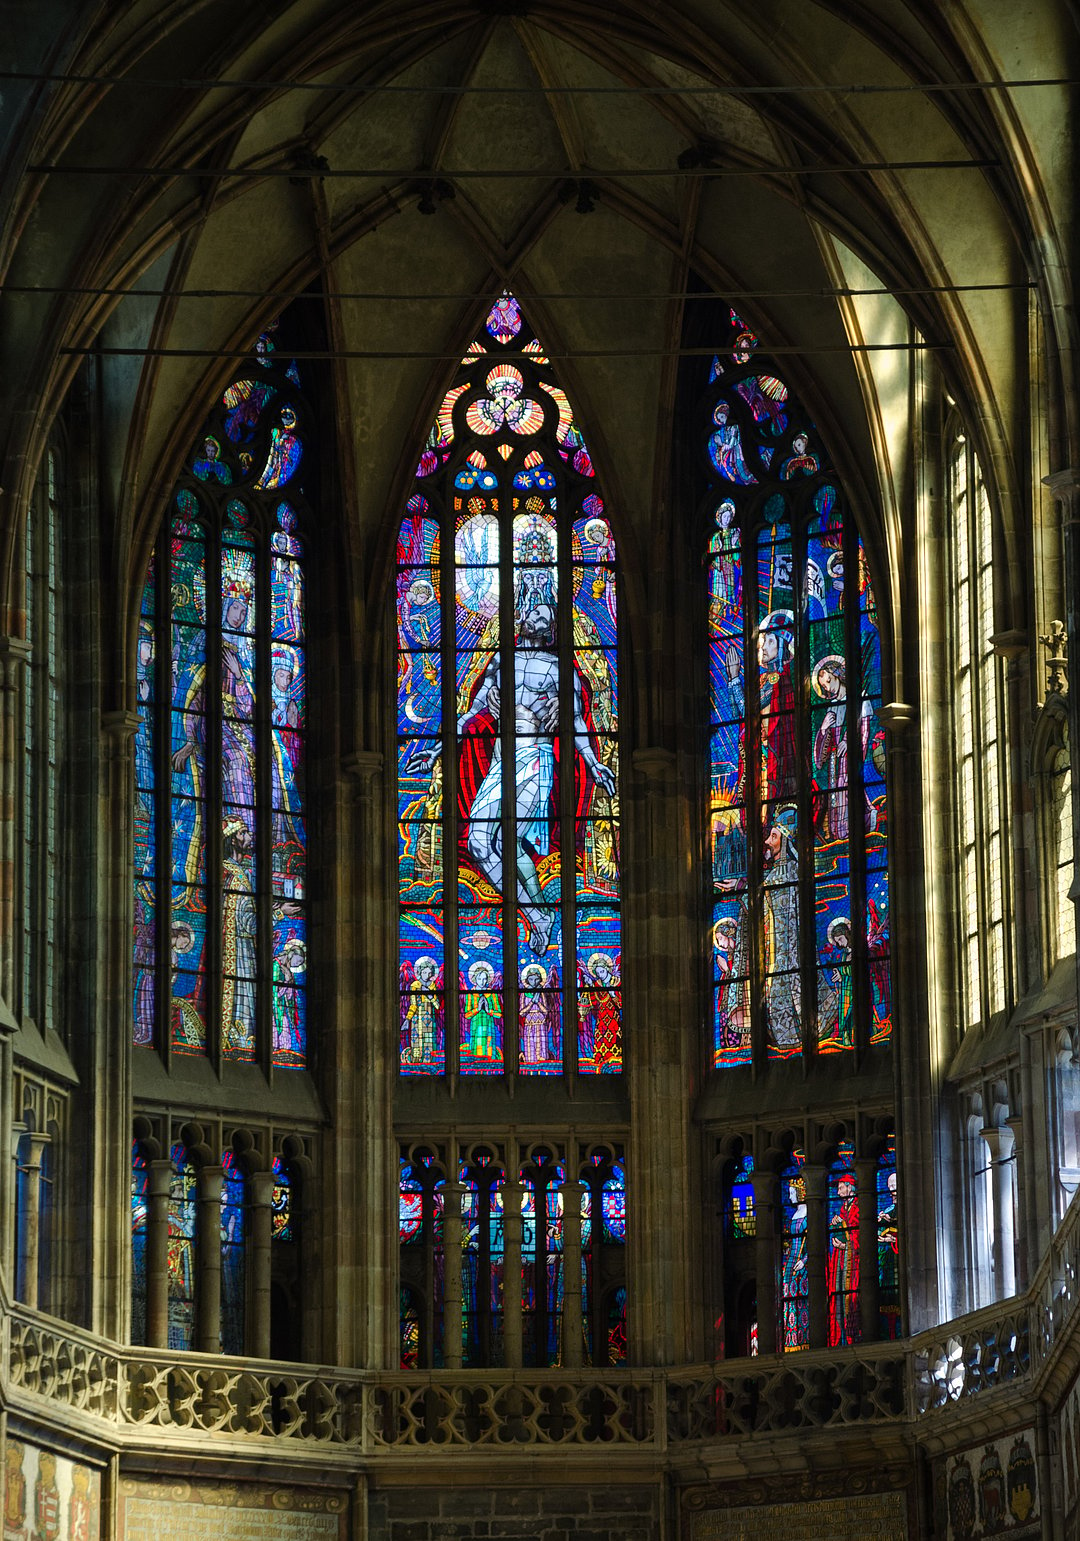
628, 1513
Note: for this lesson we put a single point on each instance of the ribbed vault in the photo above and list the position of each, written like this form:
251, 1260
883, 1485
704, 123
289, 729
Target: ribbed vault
566, 194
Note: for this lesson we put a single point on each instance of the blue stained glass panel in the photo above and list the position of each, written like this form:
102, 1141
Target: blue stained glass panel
613, 1204
794, 1274
888, 1246
289, 1001
419, 693
595, 611
281, 1221
842, 1265
422, 1002
237, 675
140, 1211
731, 982
740, 1219
599, 991
480, 981
285, 452
286, 596
232, 1257
180, 1257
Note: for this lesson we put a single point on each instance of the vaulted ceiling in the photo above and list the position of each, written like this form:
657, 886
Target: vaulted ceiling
591, 156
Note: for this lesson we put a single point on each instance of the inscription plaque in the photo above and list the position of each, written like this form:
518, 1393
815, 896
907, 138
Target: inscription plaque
881, 1515
227, 1511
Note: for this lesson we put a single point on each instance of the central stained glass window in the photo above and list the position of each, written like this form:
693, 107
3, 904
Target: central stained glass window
507, 710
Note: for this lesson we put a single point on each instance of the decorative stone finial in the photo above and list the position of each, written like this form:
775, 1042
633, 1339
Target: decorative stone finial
1056, 643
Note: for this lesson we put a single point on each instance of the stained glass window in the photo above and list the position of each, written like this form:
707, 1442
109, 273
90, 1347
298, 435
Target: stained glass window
42, 749
181, 1250
220, 914
888, 1243
232, 1255
508, 731
140, 1215
979, 709
797, 808
543, 1181
842, 1268
740, 1222
794, 1274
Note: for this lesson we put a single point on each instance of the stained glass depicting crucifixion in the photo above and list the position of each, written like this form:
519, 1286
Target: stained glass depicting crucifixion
507, 713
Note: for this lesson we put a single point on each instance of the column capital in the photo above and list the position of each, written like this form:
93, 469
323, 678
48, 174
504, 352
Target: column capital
159, 1177
1064, 487
14, 653
764, 1184
209, 1181
1000, 1141
119, 728
37, 1142
655, 763
815, 1177
363, 766
897, 717
1011, 643
260, 1189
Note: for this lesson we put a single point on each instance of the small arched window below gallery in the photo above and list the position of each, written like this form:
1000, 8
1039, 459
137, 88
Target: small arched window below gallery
214, 1251
529, 1274
824, 1233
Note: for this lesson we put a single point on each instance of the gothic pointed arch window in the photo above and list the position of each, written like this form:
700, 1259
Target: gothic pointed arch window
797, 805
220, 903
507, 715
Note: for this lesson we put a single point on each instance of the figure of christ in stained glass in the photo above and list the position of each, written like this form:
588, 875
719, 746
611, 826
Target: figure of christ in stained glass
506, 531
481, 792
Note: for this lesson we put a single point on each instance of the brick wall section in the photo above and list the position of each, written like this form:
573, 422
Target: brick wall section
527, 1514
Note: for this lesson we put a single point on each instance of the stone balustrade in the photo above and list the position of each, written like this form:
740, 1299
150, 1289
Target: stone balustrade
168, 1396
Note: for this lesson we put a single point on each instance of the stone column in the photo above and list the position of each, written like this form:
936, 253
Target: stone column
764, 1186
1065, 489
14, 653
452, 1196
158, 1185
109, 1249
665, 1315
869, 1283
208, 1260
1023, 1219
260, 1187
512, 1233
11, 1222
32, 1218
572, 1191
816, 1182
999, 1142
358, 1189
